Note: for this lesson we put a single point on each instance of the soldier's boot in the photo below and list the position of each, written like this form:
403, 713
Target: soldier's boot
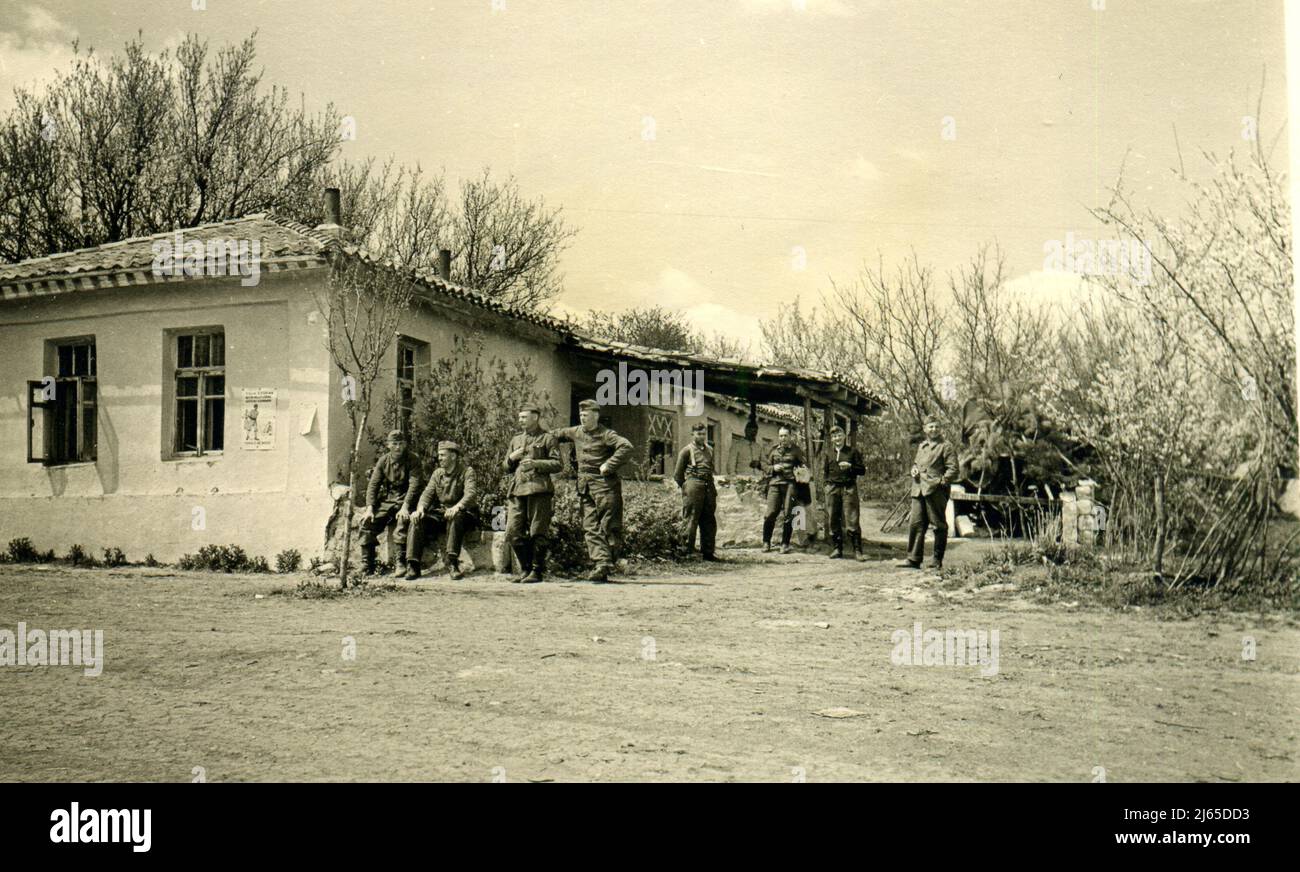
837, 546
539, 564
412, 570
399, 565
940, 545
767, 545
599, 575
523, 549
453, 566
857, 545
367, 559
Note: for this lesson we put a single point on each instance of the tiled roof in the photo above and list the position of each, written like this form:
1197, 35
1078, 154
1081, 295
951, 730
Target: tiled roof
278, 239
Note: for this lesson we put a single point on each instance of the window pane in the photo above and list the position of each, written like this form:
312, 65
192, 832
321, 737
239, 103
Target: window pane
187, 386
201, 357
64, 441
214, 423
214, 386
184, 351
187, 425
65, 360
88, 434
81, 360
218, 349
91, 370
88, 392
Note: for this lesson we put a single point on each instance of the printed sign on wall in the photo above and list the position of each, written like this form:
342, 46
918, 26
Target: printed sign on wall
258, 420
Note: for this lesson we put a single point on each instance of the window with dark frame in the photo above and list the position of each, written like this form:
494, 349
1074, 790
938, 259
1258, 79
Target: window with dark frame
200, 419
67, 405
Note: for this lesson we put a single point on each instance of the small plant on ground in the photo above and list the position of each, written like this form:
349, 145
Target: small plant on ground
22, 551
288, 560
114, 557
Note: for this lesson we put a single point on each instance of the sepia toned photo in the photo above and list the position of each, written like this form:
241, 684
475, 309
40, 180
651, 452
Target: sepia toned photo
784, 391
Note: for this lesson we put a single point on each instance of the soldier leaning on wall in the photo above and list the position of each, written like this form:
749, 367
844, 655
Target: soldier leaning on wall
600, 452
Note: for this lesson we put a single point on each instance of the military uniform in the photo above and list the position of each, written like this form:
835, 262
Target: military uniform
531, 493
936, 463
601, 496
842, 495
445, 490
781, 491
694, 475
394, 486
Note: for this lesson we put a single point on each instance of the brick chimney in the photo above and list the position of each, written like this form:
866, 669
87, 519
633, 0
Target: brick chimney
444, 264
333, 223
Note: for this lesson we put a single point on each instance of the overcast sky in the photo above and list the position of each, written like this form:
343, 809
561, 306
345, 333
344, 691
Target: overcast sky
701, 145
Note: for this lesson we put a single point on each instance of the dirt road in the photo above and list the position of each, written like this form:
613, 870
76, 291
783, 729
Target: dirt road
716, 675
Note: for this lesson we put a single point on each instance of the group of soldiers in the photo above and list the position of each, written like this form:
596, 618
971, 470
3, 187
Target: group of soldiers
445, 508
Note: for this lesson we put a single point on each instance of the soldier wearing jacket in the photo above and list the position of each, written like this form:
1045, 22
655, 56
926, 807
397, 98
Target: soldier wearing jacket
933, 472
694, 475
600, 452
532, 458
784, 458
841, 469
446, 508
390, 496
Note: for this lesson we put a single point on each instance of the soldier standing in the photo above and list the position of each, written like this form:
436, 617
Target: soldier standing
694, 475
933, 473
784, 458
841, 469
447, 506
600, 452
390, 495
532, 458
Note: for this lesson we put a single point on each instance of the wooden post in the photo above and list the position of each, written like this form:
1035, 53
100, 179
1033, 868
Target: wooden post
811, 514
1160, 526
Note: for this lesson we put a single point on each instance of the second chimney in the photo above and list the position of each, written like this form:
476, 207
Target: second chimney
444, 264
333, 209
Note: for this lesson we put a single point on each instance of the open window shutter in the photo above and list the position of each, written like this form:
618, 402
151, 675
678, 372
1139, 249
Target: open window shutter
36, 403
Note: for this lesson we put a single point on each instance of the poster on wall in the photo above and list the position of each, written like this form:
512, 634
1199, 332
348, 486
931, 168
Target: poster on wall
258, 420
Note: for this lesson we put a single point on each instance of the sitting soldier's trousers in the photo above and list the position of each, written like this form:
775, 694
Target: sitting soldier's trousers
373, 527
435, 527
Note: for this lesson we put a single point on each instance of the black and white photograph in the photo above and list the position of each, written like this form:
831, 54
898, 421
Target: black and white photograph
763, 391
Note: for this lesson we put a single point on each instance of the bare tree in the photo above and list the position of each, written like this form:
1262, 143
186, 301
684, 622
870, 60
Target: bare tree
506, 245
897, 330
364, 303
142, 143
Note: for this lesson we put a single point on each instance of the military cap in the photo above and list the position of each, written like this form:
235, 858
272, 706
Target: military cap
589, 406
695, 428
839, 430
530, 407
932, 419
396, 435
449, 446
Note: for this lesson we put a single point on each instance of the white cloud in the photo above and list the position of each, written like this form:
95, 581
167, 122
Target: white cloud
32, 47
